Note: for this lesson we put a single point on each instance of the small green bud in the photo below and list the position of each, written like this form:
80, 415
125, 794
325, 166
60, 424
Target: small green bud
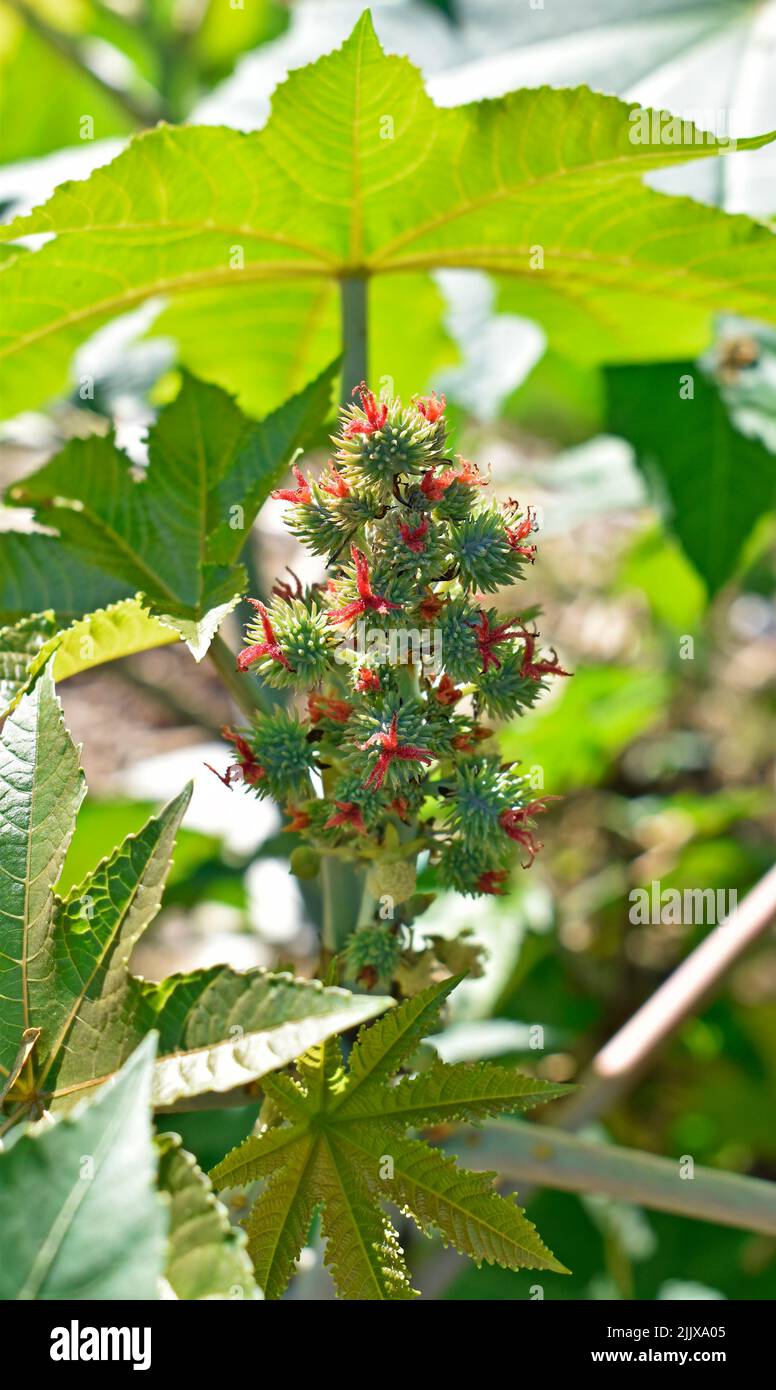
304, 862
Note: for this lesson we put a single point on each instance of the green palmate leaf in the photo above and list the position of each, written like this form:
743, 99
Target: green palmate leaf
78, 1209
340, 1145
174, 536
120, 630
206, 1256
717, 482
39, 576
543, 187
70, 1011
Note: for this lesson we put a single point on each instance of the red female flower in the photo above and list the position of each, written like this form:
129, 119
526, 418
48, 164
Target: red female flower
299, 819
488, 637
269, 647
335, 485
514, 823
388, 742
534, 670
491, 882
518, 533
325, 707
376, 415
282, 588
246, 767
430, 607
467, 743
447, 693
434, 486
348, 814
431, 407
414, 538
367, 680
289, 494
367, 600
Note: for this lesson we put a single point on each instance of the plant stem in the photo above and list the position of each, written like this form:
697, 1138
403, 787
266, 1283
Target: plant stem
341, 891
618, 1066
244, 689
355, 334
536, 1154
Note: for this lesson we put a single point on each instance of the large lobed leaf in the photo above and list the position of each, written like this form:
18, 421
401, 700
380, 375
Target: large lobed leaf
174, 535
340, 1145
381, 181
70, 1010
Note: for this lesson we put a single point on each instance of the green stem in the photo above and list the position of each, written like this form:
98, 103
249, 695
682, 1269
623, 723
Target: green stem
355, 335
340, 888
531, 1154
244, 689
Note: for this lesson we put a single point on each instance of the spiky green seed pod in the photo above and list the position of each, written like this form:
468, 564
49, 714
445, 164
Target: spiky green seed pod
372, 951
483, 789
305, 637
282, 749
481, 551
405, 443
504, 690
462, 866
456, 626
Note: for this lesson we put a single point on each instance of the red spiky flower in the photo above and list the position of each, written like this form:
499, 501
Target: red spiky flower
299, 819
300, 494
447, 693
269, 647
514, 823
326, 707
488, 637
434, 485
431, 407
376, 415
367, 600
414, 537
367, 680
336, 486
390, 749
348, 814
535, 670
519, 532
246, 768
492, 882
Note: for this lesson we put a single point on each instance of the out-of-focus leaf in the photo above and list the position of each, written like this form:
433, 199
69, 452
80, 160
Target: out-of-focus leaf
392, 184
716, 482
80, 1215
575, 740
206, 1255
656, 568
120, 630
